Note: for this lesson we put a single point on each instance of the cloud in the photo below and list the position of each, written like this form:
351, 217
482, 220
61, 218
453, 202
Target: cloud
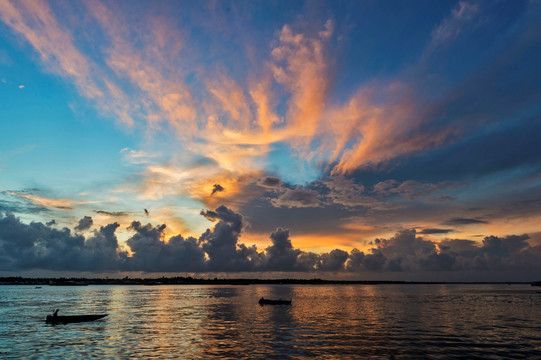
137, 156
329, 29
10, 202
104, 249
297, 197
280, 255
152, 253
269, 182
38, 246
112, 213
221, 243
464, 221
411, 189
346, 192
61, 204
407, 252
403, 252
333, 261
161, 91
217, 188
231, 100
429, 231
461, 17
142, 69
36, 22
299, 64
457, 246
27, 198
84, 224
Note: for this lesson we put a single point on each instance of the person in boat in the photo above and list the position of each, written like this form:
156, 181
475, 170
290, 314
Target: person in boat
55, 314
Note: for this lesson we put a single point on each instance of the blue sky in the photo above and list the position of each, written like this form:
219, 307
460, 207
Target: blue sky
342, 122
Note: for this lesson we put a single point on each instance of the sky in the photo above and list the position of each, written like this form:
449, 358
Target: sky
334, 139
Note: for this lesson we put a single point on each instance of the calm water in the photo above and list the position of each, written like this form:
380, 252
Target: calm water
325, 322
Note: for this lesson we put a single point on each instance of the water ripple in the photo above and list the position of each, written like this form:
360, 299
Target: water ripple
326, 322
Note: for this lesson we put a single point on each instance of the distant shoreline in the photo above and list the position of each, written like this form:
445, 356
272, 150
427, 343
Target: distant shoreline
216, 281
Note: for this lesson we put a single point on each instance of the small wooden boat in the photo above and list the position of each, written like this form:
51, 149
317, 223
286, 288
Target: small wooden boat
264, 301
66, 319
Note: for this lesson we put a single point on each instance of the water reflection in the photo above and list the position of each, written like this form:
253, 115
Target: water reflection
412, 321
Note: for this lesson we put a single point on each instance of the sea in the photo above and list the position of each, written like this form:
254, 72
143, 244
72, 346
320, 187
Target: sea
389, 321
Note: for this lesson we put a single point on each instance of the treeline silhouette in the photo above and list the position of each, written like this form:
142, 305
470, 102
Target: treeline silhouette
188, 280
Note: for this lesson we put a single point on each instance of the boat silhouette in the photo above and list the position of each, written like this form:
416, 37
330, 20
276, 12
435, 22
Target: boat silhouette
264, 301
66, 319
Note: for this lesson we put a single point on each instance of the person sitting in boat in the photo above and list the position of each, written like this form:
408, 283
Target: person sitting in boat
55, 313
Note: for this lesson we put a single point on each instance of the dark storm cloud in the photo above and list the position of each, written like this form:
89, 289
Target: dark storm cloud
464, 221
102, 251
407, 252
281, 255
333, 261
51, 223
221, 242
435, 231
151, 253
509, 252
38, 246
359, 261
459, 246
84, 224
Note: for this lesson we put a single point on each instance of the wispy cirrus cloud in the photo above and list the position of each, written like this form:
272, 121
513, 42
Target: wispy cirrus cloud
62, 204
235, 121
460, 18
238, 120
137, 156
157, 87
37, 24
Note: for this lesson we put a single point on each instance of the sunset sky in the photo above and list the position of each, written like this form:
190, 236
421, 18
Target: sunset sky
338, 139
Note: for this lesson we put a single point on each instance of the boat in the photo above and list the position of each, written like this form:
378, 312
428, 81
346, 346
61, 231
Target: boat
67, 319
264, 301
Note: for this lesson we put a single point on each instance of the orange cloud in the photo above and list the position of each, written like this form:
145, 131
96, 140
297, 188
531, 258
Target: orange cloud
197, 182
299, 65
236, 124
263, 98
232, 100
163, 93
62, 204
